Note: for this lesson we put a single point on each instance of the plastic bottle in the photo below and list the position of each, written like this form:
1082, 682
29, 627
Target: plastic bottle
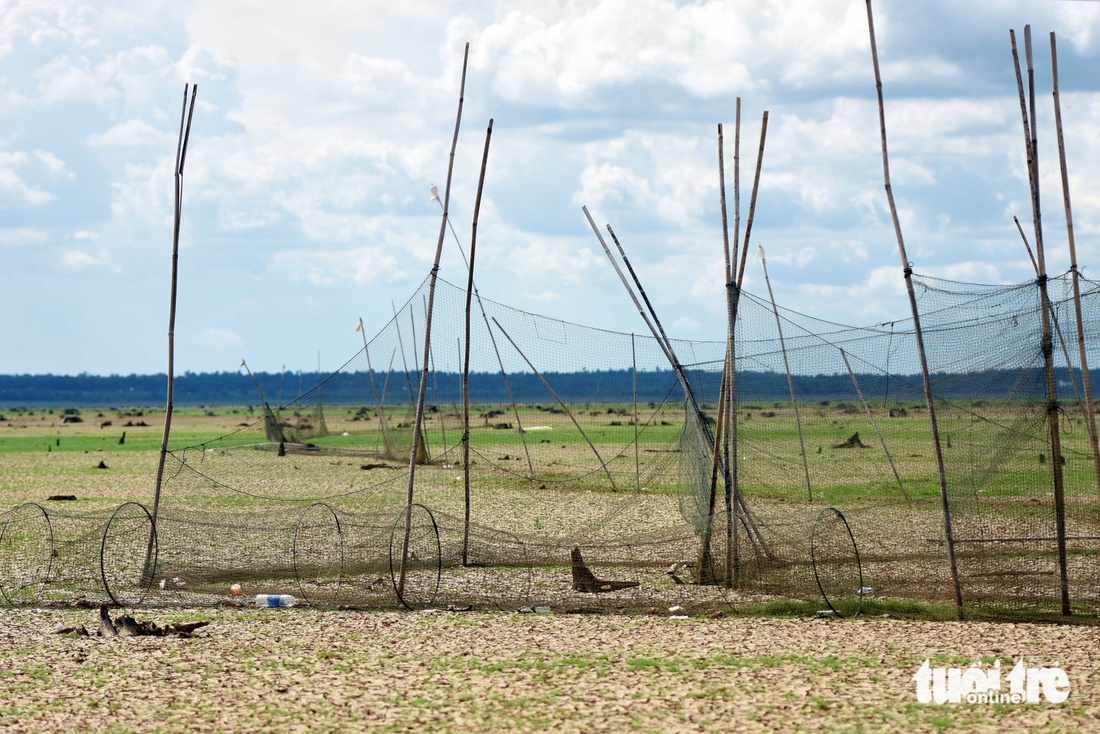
275, 600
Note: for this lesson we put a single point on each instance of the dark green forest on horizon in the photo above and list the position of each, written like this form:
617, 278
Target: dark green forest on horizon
606, 386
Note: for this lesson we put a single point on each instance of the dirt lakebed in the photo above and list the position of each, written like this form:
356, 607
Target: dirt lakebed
302, 669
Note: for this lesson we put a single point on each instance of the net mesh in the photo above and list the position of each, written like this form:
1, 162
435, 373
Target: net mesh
593, 484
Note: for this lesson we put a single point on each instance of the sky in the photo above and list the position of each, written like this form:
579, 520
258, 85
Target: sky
319, 132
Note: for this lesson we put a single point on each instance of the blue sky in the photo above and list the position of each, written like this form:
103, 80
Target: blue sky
318, 134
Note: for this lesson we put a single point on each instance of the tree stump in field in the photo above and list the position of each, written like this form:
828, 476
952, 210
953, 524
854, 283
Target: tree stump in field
852, 442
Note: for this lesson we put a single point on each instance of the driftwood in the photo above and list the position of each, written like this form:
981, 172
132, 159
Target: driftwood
127, 626
585, 581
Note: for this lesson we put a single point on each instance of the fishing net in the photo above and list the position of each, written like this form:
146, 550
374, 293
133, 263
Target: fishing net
593, 484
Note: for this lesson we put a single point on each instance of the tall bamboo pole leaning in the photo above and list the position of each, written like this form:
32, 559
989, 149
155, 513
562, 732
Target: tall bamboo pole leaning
637, 455
1048, 343
790, 380
428, 337
466, 361
561, 402
181, 158
908, 271
867, 410
1090, 412
665, 343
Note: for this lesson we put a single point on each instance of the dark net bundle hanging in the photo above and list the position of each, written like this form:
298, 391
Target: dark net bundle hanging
584, 497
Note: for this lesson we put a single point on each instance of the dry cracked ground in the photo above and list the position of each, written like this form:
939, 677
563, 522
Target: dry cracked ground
303, 670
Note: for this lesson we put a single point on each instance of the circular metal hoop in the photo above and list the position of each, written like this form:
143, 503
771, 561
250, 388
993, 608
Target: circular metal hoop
314, 562
26, 554
126, 546
414, 539
832, 551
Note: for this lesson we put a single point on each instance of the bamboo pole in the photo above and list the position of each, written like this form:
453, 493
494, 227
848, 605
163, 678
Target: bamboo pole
466, 363
386, 383
666, 346
1048, 347
181, 158
725, 395
908, 272
718, 439
733, 299
867, 410
732, 544
401, 345
705, 561
1090, 410
320, 405
282, 375
496, 351
1057, 326
560, 402
435, 391
637, 454
790, 380
427, 337
374, 390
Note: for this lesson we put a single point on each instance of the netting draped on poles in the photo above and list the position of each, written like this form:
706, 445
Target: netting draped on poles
582, 497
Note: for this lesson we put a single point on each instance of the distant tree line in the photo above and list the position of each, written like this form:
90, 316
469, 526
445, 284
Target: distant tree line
606, 386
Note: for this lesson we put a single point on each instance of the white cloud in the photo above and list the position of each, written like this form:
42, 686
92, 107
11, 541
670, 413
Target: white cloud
80, 260
552, 260
67, 79
685, 325
213, 339
361, 265
132, 133
85, 234
18, 236
53, 164
13, 186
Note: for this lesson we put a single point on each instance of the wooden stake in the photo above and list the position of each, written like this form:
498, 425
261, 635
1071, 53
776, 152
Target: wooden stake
637, 456
427, 338
181, 158
560, 402
908, 271
790, 381
1048, 346
1090, 411
466, 364
874, 425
